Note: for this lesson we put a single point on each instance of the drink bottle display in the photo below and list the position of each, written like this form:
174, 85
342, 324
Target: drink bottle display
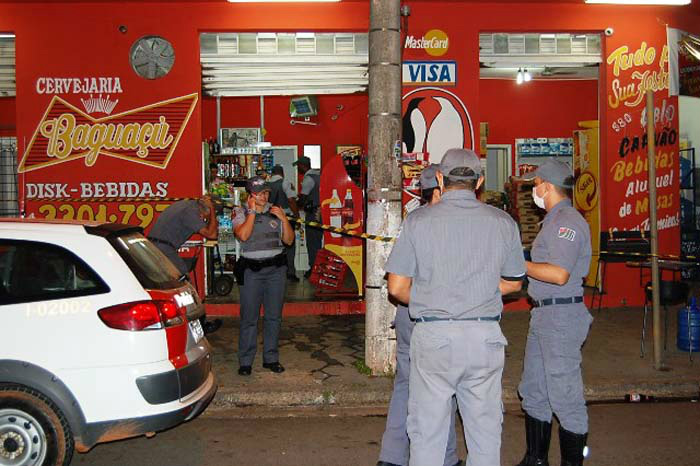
348, 209
336, 216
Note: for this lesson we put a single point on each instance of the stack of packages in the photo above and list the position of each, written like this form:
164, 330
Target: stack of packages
523, 209
494, 198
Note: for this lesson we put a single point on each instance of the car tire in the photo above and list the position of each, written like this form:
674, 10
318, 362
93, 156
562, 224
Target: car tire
223, 285
32, 428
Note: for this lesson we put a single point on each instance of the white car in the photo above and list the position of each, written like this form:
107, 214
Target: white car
99, 340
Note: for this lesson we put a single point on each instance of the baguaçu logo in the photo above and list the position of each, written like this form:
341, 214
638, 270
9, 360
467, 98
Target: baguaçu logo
146, 135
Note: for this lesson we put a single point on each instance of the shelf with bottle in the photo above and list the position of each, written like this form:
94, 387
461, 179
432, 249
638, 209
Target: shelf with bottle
544, 147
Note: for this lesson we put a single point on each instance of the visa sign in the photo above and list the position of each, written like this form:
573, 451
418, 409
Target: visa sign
436, 73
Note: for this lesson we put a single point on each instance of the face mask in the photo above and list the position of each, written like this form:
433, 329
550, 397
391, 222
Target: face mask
539, 201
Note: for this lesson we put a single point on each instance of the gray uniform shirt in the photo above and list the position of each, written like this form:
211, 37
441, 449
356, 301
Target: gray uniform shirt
564, 240
240, 215
177, 223
456, 253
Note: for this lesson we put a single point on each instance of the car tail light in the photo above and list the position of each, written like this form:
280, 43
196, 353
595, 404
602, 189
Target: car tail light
142, 315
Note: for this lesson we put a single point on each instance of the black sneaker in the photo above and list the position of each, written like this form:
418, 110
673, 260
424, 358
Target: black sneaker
245, 370
292, 278
275, 367
211, 326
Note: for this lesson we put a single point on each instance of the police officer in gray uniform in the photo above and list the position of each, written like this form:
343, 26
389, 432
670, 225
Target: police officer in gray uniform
261, 272
282, 194
451, 264
551, 381
310, 200
395, 444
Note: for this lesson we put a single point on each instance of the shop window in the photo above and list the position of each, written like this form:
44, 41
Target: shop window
9, 206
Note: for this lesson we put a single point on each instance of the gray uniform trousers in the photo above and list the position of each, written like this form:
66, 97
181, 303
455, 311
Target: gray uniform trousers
314, 241
266, 287
291, 253
395, 445
551, 381
462, 358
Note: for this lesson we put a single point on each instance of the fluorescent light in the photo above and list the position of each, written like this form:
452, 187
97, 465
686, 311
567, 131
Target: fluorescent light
7, 36
641, 2
279, 1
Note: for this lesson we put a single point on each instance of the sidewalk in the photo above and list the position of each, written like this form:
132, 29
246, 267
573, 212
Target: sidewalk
322, 355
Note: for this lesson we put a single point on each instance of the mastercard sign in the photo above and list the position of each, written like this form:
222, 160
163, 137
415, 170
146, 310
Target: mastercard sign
435, 42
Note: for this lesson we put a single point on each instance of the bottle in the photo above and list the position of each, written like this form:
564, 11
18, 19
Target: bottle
336, 217
210, 142
217, 148
348, 209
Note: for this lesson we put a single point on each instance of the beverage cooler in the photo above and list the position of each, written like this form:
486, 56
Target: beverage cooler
339, 267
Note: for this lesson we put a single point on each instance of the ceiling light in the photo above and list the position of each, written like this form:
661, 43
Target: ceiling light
519, 78
7, 36
641, 2
527, 76
279, 1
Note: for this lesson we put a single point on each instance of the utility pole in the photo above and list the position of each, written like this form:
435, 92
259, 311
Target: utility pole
384, 177
656, 311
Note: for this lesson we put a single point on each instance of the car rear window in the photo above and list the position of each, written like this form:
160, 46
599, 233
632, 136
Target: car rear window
150, 266
33, 271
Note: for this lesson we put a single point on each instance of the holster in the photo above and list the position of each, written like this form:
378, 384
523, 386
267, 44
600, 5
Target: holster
256, 265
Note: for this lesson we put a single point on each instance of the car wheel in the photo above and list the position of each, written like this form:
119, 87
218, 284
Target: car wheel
223, 285
33, 431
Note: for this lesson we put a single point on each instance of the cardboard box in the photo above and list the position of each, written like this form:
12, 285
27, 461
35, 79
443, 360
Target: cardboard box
528, 237
528, 219
529, 227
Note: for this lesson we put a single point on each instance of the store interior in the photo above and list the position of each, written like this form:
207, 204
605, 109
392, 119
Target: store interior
526, 102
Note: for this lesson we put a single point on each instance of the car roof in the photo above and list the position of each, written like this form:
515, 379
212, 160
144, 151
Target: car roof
73, 226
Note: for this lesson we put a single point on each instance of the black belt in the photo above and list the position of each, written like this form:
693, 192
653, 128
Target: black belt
551, 301
257, 264
454, 319
162, 241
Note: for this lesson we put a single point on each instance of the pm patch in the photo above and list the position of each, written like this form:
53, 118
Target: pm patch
566, 233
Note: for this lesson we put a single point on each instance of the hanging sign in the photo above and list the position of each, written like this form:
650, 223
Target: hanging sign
146, 135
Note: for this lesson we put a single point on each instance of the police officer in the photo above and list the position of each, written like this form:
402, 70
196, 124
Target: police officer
310, 200
451, 264
283, 194
175, 225
263, 230
551, 380
395, 444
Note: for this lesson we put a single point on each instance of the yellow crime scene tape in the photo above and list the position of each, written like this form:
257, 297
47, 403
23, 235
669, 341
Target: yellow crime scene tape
352, 233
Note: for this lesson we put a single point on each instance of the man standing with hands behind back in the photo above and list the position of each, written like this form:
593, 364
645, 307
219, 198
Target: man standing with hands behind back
551, 381
451, 264
395, 441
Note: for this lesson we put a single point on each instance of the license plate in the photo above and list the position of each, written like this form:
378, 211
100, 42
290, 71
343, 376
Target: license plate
196, 329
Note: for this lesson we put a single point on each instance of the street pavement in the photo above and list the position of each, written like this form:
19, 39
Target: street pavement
640, 434
324, 358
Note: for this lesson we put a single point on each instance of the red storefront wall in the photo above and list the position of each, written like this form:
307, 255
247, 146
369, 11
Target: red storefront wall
83, 40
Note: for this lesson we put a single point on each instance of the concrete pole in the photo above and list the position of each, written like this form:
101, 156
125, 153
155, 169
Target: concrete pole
383, 177
656, 311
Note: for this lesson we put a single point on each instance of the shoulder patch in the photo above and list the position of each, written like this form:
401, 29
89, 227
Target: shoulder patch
566, 233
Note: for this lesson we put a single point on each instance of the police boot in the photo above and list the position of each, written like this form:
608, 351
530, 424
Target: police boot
537, 435
572, 446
